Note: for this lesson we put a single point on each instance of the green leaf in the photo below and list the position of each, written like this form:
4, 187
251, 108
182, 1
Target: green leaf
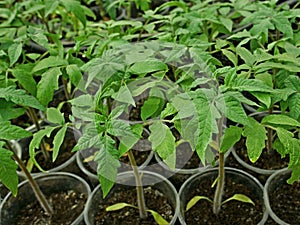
292, 145
47, 85
234, 110
124, 95
8, 170
12, 132
51, 61
14, 52
158, 218
24, 76
150, 107
231, 56
74, 74
241, 84
55, 116
147, 67
194, 200
20, 97
76, 8
118, 206
168, 111
57, 141
280, 120
89, 139
255, 134
246, 55
163, 142
241, 198
35, 143
230, 137
107, 159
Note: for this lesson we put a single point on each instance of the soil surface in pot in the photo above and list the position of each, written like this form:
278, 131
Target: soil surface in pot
64, 153
232, 212
268, 161
284, 201
67, 206
155, 200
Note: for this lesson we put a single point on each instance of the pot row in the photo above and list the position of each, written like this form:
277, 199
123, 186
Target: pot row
66, 182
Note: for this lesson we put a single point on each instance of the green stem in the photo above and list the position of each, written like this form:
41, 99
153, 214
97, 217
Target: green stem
38, 193
65, 84
270, 136
34, 118
139, 187
221, 178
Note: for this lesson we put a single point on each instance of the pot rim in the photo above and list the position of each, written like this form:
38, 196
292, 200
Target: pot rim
280, 172
52, 176
227, 169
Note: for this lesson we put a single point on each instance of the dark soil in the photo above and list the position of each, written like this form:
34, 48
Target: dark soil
64, 153
285, 202
233, 212
268, 161
67, 207
130, 216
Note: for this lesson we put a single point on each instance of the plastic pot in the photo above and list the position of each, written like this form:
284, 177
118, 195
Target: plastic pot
67, 166
276, 183
49, 184
236, 176
127, 179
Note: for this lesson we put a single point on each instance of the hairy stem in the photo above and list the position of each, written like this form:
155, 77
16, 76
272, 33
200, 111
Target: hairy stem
270, 136
139, 187
38, 193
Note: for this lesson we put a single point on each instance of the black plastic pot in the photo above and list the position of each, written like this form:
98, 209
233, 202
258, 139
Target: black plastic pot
48, 183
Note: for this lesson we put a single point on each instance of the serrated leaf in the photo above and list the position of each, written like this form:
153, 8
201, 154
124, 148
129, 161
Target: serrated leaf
230, 137
234, 110
89, 139
251, 85
47, 85
57, 142
20, 97
158, 218
14, 52
107, 159
54, 116
278, 119
12, 132
294, 105
241, 198
124, 95
163, 141
35, 143
255, 134
8, 170
194, 201
51, 61
147, 67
